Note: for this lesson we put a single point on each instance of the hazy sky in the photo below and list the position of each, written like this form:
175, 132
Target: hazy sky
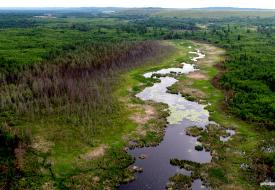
140, 3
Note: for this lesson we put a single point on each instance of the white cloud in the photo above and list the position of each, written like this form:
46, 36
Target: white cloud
140, 3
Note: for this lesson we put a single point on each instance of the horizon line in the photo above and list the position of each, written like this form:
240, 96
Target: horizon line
70, 7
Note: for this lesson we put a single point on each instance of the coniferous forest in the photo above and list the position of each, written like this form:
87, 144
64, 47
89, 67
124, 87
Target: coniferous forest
68, 79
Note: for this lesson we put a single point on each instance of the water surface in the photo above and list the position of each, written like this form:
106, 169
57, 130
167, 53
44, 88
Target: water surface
176, 144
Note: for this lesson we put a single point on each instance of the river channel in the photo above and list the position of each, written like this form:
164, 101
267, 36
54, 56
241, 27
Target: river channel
176, 143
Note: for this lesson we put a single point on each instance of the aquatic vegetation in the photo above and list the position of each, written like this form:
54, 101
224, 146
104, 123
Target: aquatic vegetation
178, 113
194, 131
181, 113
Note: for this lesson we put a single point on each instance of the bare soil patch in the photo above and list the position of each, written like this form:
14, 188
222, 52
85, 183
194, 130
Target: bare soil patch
95, 153
197, 75
19, 153
143, 117
185, 90
212, 55
144, 114
48, 186
231, 187
42, 145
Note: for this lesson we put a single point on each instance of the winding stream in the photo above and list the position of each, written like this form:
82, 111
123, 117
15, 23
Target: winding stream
176, 143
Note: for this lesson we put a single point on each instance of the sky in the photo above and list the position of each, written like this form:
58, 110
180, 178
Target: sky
270, 4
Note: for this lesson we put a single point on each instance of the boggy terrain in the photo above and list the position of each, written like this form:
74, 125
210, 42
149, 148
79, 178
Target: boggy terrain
69, 112
105, 163
233, 144
155, 161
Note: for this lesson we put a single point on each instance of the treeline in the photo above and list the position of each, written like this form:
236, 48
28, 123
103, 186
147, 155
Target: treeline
18, 23
250, 66
253, 82
75, 89
74, 84
32, 39
249, 79
249, 41
169, 23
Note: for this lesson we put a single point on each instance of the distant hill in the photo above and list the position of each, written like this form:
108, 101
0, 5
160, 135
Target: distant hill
231, 9
216, 12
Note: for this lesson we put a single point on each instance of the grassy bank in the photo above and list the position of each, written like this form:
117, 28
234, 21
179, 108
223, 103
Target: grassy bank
141, 123
149, 132
236, 164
